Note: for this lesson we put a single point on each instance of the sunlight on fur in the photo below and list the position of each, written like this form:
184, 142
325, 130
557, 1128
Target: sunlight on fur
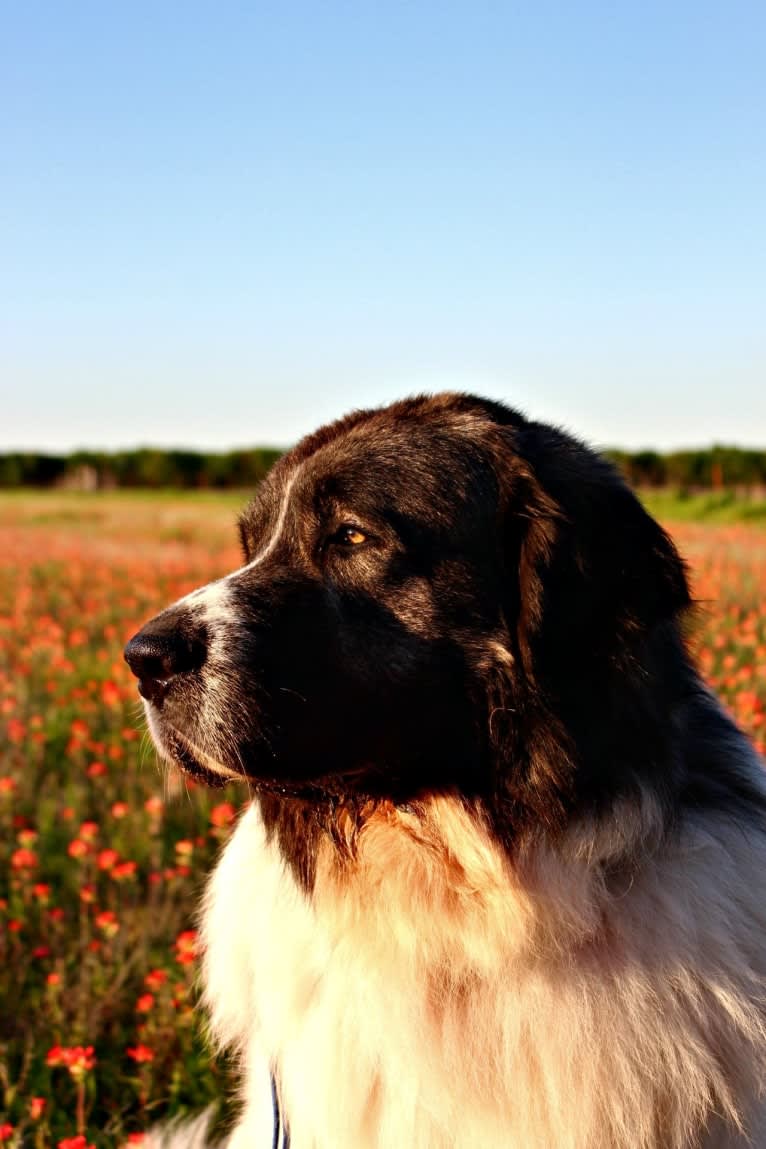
434, 995
498, 886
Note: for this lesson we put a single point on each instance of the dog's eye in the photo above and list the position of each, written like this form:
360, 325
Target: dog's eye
349, 535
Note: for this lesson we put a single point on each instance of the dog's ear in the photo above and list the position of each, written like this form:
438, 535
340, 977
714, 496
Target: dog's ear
594, 573
594, 586
578, 711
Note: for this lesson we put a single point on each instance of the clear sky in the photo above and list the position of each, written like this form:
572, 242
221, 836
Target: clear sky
221, 223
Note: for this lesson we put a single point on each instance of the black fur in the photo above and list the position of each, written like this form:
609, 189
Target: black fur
509, 629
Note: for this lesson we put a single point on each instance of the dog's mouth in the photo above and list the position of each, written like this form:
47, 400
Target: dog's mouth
180, 751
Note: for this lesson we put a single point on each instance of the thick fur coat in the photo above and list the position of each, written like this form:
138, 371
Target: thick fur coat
500, 883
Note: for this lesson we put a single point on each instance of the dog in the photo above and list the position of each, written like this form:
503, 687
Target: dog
501, 880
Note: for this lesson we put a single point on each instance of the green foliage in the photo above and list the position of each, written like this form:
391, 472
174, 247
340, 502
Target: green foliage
149, 468
704, 469
31, 470
722, 506
152, 468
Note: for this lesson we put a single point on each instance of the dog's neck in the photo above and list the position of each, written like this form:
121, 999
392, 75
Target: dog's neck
302, 827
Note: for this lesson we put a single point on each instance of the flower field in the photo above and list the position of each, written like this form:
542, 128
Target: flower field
103, 855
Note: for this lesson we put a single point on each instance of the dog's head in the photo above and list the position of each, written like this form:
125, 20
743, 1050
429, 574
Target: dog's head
436, 595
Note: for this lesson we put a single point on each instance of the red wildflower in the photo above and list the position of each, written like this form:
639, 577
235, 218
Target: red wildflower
23, 859
107, 922
36, 1107
155, 978
222, 814
110, 692
140, 1053
78, 1059
16, 730
186, 947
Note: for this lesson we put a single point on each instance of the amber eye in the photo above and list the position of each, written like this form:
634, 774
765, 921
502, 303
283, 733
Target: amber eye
350, 536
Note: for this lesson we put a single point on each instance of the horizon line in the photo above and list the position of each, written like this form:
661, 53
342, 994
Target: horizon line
58, 452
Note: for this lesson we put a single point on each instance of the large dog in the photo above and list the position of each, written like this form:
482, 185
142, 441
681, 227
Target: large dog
501, 880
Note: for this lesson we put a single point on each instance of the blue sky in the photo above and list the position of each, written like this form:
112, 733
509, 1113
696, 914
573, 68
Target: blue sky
223, 223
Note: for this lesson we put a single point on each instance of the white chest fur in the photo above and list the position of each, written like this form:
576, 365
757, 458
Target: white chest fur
434, 999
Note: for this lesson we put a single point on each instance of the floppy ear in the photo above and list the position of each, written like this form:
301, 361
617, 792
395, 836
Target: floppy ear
596, 573
594, 585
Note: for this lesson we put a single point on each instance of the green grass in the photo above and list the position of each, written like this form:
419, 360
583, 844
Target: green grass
725, 506
79, 500
62, 508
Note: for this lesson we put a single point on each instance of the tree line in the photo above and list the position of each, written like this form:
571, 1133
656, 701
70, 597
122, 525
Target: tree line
150, 467
708, 468
147, 467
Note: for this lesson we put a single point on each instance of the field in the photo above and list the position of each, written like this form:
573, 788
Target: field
103, 856
721, 506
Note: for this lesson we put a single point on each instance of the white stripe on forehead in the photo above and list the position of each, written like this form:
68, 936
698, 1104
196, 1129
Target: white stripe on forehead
214, 597
278, 526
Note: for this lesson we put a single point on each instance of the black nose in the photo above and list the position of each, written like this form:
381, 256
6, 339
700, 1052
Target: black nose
159, 653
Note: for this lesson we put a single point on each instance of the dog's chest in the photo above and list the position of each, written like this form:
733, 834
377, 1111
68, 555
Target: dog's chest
343, 1020
412, 1023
